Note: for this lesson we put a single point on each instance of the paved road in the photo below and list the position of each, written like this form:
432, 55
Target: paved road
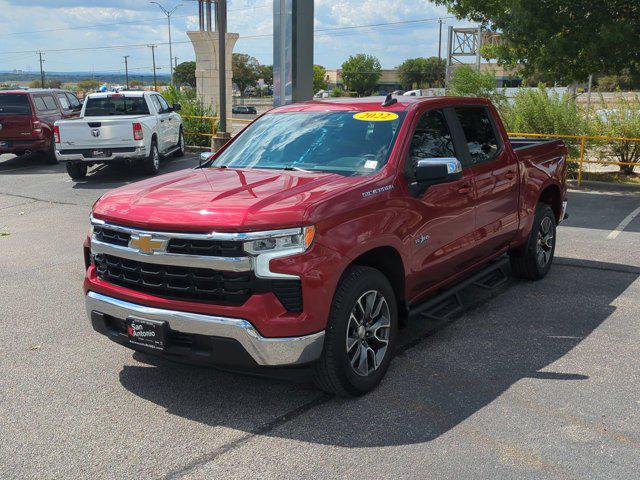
540, 381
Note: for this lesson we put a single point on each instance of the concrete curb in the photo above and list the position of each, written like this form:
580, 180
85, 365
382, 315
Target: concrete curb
603, 186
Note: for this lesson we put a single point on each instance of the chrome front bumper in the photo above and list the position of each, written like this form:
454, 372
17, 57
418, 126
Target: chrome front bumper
265, 351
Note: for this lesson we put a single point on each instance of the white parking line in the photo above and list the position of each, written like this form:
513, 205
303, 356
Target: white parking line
628, 219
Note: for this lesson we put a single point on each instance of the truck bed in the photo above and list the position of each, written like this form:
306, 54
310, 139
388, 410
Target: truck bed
523, 143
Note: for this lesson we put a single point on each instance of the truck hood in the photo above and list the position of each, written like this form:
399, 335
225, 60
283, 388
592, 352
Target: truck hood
218, 199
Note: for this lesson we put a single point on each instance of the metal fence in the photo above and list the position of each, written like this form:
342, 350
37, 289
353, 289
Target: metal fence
214, 124
583, 139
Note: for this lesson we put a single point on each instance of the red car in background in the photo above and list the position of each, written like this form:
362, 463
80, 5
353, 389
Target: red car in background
27, 118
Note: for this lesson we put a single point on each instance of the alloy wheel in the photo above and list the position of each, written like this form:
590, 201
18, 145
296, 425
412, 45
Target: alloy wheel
544, 246
368, 333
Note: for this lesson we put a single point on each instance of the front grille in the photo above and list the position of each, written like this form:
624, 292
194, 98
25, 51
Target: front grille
209, 248
213, 248
175, 282
198, 284
112, 237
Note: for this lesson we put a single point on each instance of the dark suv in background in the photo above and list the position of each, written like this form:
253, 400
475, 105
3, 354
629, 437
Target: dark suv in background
27, 118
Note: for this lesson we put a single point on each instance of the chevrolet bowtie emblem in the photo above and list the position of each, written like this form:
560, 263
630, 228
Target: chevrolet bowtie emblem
147, 244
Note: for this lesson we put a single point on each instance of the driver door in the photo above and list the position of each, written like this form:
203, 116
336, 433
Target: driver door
443, 238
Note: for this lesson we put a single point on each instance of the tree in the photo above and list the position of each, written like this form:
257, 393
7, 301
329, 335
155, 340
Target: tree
135, 84
567, 39
48, 83
88, 84
265, 72
245, 71
319, 78
185, 73
421, 72
361, 73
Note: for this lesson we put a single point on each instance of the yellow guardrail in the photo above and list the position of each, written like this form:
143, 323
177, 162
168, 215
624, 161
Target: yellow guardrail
213, 124
583, 141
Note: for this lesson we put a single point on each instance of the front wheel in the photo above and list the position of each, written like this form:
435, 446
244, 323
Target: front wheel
361, 334
533, 260
181, 145
151, 164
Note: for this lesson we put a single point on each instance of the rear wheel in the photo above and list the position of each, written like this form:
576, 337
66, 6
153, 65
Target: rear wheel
50, 154
533, 260
151, 164
360, 335
181, 145
77, 170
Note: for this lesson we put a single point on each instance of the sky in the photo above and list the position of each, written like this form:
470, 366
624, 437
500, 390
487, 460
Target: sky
50, 25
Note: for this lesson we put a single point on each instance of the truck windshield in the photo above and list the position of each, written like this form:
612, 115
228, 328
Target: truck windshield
347, 143
14, 104
115, 105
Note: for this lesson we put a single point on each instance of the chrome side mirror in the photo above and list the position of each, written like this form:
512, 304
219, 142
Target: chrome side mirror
437, 170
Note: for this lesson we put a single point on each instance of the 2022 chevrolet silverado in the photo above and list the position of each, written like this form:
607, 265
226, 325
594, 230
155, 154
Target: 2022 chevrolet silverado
307, 239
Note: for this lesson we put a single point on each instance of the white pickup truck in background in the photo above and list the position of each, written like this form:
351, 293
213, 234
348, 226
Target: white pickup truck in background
137, 127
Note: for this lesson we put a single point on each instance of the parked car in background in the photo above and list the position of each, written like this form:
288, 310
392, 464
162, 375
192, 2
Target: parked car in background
244, 109
138, 127
309, 237
27, 119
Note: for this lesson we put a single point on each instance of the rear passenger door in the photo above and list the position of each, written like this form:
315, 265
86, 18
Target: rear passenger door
47, 110
164, 124
496, 179
443, 233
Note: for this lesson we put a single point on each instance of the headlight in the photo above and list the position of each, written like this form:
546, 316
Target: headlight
294, 240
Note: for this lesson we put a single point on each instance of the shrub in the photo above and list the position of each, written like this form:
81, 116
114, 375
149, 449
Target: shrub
192, 106
337, 92
467, 82
619, 118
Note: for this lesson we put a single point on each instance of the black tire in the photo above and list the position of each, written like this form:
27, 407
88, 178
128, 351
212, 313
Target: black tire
151, 164
334, 372
77, 170
533, 260
181, 145
50, 154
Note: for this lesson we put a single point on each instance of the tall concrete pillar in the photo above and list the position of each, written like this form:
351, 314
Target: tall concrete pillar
205, 44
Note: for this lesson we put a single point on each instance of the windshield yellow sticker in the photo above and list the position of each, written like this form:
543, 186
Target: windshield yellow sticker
375, 116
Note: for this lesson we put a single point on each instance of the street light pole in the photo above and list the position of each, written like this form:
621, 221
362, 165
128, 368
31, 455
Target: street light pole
168, 13
126, 70
153, 55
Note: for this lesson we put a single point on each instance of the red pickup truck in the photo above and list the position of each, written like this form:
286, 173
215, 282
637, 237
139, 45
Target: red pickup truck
308, 238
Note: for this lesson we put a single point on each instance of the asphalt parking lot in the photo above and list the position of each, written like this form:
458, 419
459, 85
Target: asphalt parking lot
539, 381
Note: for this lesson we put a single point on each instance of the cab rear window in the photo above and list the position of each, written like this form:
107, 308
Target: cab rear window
121, 105
14, 104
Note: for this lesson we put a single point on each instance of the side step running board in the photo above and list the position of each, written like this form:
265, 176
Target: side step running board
448, 304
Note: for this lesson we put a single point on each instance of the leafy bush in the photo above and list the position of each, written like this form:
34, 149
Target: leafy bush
467, 82
192, 107
337, 92
619, 118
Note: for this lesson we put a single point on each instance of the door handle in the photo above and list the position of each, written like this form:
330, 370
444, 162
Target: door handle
161, 121
510, 175
464, 190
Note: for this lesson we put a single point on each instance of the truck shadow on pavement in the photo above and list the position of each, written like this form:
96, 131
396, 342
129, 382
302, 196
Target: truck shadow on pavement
430, 388
33, 163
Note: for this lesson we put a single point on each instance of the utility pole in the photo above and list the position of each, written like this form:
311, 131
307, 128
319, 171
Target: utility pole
175, 64
168, 13
126, 70
440, 40
153, 55
41, 70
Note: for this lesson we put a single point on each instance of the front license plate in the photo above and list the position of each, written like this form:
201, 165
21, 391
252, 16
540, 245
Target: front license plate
4, 144
147, 333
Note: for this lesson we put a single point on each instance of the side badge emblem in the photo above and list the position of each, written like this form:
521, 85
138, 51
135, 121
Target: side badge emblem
421, 240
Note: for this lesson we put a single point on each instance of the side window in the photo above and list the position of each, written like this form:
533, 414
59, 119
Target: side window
432, 139
49, 102
64, 101
163, 104
39, 103
73, 100
156, 103
480, 134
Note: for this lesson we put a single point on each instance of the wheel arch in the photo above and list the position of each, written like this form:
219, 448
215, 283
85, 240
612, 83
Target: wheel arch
552, 196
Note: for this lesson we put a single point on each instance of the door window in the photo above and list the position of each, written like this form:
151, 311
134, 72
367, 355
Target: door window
49, 102
64, 101
480, 133
73, 100
163, 104
156, 103
432, 139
